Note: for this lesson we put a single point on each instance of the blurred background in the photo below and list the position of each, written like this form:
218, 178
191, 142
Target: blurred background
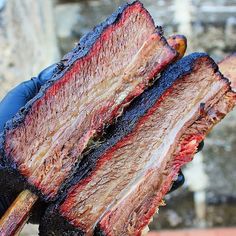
36, 33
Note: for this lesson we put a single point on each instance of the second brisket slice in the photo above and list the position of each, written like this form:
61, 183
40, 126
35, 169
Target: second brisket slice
120, 184
111, 65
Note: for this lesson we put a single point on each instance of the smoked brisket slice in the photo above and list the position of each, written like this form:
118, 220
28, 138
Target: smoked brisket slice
120, 184
110, 66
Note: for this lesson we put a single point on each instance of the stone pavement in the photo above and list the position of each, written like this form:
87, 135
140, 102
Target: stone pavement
197, 232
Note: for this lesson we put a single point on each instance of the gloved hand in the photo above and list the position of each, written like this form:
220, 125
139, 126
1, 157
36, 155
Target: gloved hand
21, 94
11, 104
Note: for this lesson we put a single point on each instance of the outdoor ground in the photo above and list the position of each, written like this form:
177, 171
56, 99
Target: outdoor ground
194, 232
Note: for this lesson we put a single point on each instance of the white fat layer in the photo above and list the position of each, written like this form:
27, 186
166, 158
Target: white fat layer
160, 155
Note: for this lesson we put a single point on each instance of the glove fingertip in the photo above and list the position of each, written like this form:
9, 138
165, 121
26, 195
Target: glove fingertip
178, 183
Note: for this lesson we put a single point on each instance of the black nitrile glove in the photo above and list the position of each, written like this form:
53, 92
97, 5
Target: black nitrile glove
12, 103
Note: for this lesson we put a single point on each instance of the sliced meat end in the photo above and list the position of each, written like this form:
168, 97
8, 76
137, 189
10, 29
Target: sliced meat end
90, 93
228, 68
130, 172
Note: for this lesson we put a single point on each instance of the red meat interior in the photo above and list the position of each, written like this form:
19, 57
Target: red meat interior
118, 67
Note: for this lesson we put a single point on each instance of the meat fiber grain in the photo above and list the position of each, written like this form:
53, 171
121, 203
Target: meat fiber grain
110, 66
120, 184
